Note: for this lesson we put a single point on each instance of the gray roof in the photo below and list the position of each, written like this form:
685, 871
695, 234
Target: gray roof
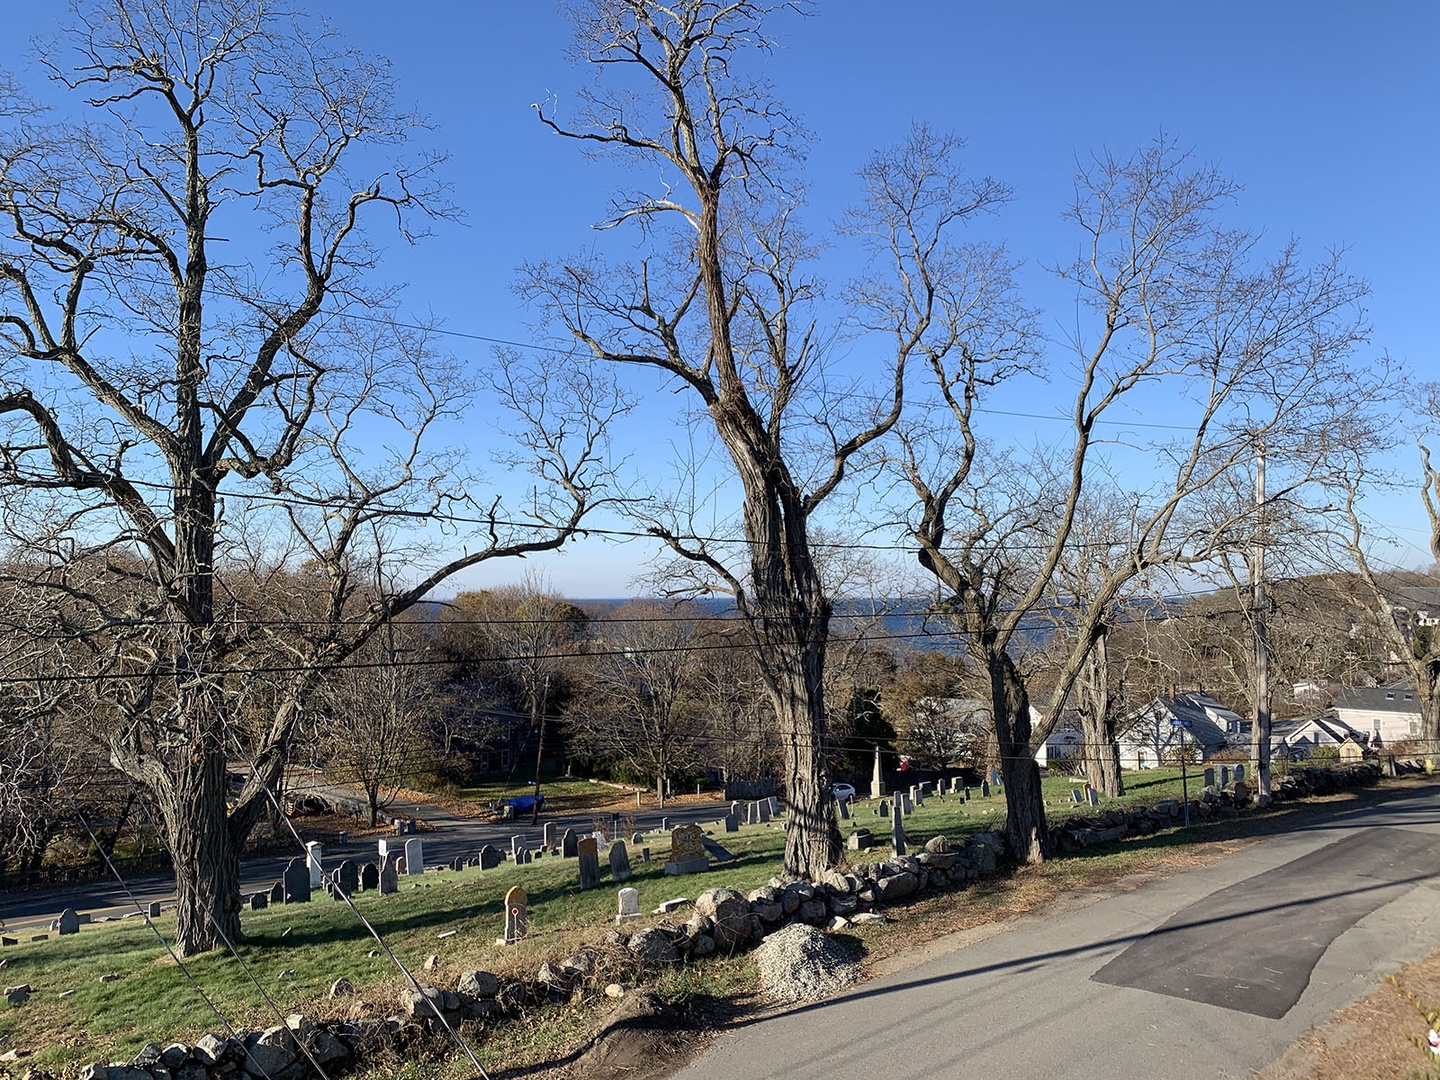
1398, 696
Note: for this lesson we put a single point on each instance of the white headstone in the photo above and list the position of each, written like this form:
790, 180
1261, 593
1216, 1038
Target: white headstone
629, 905
313, 853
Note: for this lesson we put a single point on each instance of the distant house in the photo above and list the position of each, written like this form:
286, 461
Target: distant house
1421, 601
1064, 742
1299, 737
1152, 734
1390, 712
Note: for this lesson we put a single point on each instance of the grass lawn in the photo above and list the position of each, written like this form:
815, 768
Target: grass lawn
295, 952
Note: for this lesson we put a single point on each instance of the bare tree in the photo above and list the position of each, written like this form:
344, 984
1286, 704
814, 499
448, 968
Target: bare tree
641, 707
160, 396
1251, 350
1412, 640
723, 306
375, 712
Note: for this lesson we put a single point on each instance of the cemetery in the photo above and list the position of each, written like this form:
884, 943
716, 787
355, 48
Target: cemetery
506, 934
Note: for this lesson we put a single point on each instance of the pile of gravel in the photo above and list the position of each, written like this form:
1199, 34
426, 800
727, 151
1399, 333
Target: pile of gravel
801, 963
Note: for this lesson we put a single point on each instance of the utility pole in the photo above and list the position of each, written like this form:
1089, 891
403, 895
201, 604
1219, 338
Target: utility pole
1260, 729
540, 751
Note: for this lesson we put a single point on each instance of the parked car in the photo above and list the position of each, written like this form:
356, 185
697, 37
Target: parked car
843, 791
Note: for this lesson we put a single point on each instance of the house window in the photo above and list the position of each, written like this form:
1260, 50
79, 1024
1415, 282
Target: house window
1409, 697
1389, 695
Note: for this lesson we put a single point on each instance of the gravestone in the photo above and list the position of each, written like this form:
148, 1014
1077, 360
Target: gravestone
1210, 777
736, 809
619, 861
520, 855
415, 856
664, 824
984, 789
1239, 773
457, 863
745, 814
897, 831
548, 836
587, 849
389, 878
638, 839
491, 857
687, 851
516, 914
774, 803
877, 785
277, 893
883, 809
399, 862
903, 802
347, 877
297, 882
567, 843
965, 792
1224, 775
629, 905
1075, 795
313, 852
68, 923
516, 843
843, 805
731, 823
1092, 796
762, 810
370, 876
918, 795
259, 901
861, 839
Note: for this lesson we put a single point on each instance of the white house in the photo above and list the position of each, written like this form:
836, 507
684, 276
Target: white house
1152, 734
1298, 737
1390, 712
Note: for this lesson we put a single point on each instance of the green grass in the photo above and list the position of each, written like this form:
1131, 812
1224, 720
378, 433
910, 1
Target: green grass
154, 1001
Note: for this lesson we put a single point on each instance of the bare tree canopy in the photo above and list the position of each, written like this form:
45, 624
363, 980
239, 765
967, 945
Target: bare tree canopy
1175, 312
723, 303
199, 384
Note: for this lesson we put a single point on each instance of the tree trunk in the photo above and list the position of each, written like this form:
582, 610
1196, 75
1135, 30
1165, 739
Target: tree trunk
812, 832
1026, 830
206, 863
1097, 718
1428, 694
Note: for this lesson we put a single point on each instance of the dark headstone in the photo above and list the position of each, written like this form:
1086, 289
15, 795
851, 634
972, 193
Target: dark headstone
587, 849
297, 882
369, 876
277, 893
619, 861
731, 823
259, 901
860, 840
491, 857
389, 875
568, 842
347, 877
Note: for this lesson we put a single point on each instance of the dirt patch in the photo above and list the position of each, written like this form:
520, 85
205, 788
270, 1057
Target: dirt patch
1371, 1037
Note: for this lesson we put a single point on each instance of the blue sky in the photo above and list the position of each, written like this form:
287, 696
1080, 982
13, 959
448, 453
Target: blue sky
1325, 112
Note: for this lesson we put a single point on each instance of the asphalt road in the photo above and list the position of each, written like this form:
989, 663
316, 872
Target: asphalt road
1209, 973
450, 837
